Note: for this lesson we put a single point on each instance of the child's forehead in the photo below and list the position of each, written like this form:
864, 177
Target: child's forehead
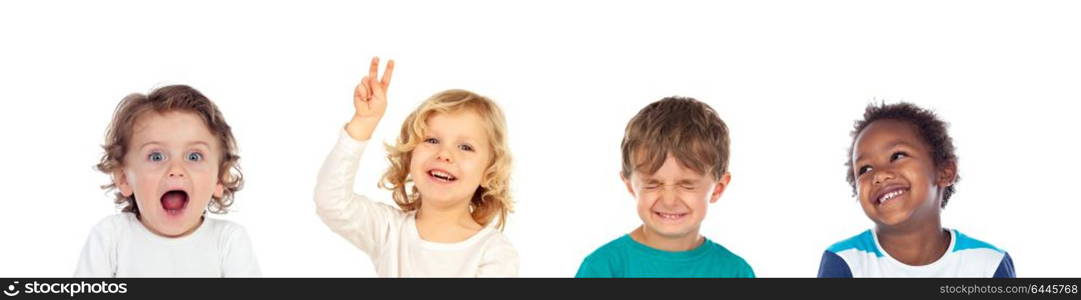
171, 127
881, 135
659, 176
464, 123
890, 128
167, 119
670, 169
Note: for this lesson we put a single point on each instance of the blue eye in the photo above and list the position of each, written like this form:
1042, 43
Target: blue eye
156, 156
465, 147
431, 141
195, 156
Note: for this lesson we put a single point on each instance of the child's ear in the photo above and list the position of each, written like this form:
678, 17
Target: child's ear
627, 182
947, 174
120, 179
219, 191
718, 188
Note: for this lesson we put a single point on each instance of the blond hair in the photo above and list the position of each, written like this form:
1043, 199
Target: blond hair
491, 201
171, 98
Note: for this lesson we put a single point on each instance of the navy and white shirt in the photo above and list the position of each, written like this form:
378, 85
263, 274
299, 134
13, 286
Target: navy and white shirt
862, 256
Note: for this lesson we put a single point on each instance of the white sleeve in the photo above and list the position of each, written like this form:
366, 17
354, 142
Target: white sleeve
358, 219
99, 254
499, 259
239, 259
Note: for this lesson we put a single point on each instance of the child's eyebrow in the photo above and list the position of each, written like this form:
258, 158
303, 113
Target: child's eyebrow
650, 180
455, 137
680, 181
895, 144
889, 146
195, 143
687, 181
460, 138
149, 144
204, 144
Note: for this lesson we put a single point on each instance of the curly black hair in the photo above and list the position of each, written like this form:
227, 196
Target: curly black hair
928, 126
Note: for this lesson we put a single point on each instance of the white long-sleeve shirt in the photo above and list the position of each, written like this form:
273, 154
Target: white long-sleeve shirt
390, 237
121, 246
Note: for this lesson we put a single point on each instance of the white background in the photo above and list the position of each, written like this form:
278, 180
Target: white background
789, 78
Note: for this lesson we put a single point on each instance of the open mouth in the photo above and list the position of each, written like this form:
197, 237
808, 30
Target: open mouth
174, 201
889, 193
441, 176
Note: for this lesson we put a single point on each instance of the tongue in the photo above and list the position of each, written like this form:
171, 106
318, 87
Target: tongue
173, 200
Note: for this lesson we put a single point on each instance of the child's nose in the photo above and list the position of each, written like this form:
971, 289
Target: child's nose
883, 176
444, 155
669, 195
176, 171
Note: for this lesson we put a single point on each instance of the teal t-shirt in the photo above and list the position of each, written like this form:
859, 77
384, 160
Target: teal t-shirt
625, 257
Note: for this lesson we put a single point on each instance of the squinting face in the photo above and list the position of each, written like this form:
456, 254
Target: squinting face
895, 174
172, 169
449, 164
672, 202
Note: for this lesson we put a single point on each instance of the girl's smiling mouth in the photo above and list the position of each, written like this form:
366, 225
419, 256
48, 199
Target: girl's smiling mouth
443, 176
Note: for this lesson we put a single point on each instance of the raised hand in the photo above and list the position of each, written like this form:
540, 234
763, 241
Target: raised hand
370, 101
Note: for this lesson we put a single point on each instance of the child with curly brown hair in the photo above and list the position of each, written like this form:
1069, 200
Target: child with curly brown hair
172, 157
902, 167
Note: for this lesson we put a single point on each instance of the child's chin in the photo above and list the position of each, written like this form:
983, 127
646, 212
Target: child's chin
174, 225
891, 218
886, 215
670, 230
441, 197
175, 216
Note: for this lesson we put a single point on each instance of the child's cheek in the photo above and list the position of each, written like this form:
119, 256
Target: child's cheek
476, 168
646, 196
200, 166
144, 167
126, 184
139, 172
861, 191
696, 195
205, 174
